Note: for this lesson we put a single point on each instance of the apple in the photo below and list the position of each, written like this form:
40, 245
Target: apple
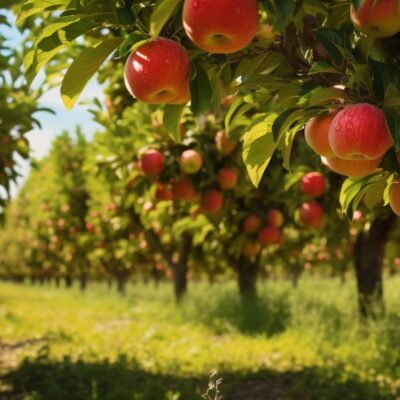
312, 214
265, 33
313, 184
275, 218
252, 224
316, 134
269, 235
225, 146
190, 161
212, 201
227, 178
183, 189
163, 192
157, 72
357, 216
152, 162
250, 248
148, 206
352, 168
220, 26
394, 196
378, 18
360, 132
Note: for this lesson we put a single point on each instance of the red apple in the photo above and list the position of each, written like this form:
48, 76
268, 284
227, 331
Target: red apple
312, 214
316, 134
379, 18
183, 189
224, 145
227, 178
212, 201
313, 184
157, 72
275, 218
152, 162
352, 168
360, 132
163, 192
394, 196
220, 26
252, 224
269, 235
250, 248
190, 162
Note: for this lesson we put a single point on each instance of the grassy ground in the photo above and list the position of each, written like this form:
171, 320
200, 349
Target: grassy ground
303, 344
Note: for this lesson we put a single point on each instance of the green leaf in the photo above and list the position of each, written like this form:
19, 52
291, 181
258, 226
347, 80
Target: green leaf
161, 14
132, 42
200, 90
238, 108
331, 41
357, 4
320, 67
258, 148
284, 11
83, 69
32, 7
171, 119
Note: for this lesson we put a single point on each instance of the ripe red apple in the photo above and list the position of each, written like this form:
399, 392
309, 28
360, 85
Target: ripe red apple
224, 145
360, 132
352, 168
313, 184
250, 248
220, 26
394, 197
275, 218
157, 72
212, 201
152, 162
379, 18
312, 214
252, 224
190, 161
163, 192
269, 235
227, 178
183, 189
316, 134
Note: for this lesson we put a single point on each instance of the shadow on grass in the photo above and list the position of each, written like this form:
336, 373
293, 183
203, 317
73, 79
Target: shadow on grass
43, 379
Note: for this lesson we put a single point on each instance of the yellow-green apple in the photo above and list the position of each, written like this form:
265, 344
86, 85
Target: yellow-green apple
190, 161
225, 146
152, 162
212, 201
265, 33
313, 184
227, 178
183, 189
250, 248
163, 192
269, 235
378, 18
394, 196
275, 218
157, 72
316, 134
352, 168
220, 26
252, 224
360, 132
312, 214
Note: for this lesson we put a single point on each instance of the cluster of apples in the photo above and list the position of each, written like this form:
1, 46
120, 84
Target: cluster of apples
260, 233
158, 71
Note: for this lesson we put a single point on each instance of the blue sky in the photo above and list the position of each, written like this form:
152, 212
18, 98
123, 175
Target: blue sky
40, 139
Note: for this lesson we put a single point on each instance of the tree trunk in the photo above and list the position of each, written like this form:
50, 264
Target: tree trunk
109, 283
57, 281
68, 281
83, 281
181, 268
247, 278
369, 252
121, 282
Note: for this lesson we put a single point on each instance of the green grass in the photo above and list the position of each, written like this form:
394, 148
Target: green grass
305, 344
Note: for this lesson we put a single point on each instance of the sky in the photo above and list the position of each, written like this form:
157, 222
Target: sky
52, 124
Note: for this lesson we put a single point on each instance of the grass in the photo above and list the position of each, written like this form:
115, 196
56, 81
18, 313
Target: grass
59, 344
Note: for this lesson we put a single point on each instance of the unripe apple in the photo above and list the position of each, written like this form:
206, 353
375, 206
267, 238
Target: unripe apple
252, 224
378, 18
220, 26
313, 184
352, 168
190, 162
394, 197
316, 134
269, 235
157, 72
183, 189
312, 214
212, 201
265, 33
275, 218
224, 145
360, 132
250, 248
227, 178
163, 192
152, 162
